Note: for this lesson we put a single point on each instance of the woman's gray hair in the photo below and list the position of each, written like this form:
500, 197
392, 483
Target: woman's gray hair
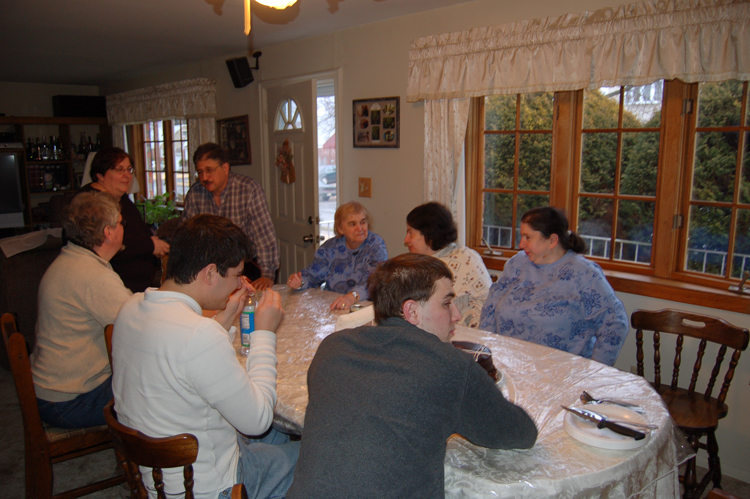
346, 209
86, 217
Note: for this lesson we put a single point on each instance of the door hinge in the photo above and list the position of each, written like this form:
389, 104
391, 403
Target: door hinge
677, 222
687, 106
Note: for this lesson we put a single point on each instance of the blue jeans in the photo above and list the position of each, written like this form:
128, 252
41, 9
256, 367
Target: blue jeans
266, 465
84, 411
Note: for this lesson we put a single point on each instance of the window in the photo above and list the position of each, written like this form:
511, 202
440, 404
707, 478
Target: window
656, 178
518, 151
166, 157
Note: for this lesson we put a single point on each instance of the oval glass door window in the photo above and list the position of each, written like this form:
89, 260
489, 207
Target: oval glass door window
288, 116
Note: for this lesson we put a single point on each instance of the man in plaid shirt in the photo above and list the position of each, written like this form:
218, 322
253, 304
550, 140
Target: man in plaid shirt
242, 200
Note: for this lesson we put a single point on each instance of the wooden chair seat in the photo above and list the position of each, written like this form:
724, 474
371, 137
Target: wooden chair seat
46, 445
696, 414
692, 411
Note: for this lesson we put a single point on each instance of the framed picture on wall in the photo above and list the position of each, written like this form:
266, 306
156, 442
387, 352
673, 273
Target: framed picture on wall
234, 136
377, 122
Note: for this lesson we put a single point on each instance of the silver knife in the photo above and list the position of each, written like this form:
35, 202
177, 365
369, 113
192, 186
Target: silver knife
602, 422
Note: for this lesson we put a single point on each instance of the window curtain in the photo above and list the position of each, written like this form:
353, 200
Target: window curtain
636, 44
445, 133
194, 100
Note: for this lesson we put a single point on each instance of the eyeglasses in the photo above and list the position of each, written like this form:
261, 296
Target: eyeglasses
123, 223
206, 171
122, 170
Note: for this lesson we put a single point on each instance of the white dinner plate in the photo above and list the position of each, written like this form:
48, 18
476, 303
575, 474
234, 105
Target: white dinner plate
587, 432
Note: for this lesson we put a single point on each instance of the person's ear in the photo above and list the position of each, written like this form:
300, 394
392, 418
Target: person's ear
99, 177
108, 232
553, 240
411, 311
225, 167
209, 273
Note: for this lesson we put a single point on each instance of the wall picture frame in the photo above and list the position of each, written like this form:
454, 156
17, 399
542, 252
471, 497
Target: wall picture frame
234, 135
377, 122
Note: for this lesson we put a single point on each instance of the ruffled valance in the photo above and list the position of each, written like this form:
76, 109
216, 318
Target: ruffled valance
636, 44
183, 99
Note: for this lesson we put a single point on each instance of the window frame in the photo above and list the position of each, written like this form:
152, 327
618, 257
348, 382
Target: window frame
136, 138
663, 278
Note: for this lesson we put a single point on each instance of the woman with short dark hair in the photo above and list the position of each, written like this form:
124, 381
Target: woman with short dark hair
550, 294
137, 263
430, 230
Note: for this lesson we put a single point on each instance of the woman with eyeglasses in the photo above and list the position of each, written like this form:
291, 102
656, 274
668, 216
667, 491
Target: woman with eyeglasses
136, 264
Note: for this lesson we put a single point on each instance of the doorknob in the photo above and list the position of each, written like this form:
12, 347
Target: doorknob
308, 238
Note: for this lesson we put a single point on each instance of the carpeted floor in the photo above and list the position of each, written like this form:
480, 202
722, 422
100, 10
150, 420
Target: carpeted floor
91, 468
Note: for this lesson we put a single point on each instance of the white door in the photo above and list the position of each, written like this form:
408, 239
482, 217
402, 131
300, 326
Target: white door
291, 117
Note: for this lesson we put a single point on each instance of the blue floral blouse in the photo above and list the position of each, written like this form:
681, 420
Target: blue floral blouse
567, 304
342, 269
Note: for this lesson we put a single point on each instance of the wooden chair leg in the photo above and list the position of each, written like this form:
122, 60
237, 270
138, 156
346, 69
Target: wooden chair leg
714, 464
689, 480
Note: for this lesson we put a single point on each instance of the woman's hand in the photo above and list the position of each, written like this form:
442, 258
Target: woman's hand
344, 302
295, 280
161, 247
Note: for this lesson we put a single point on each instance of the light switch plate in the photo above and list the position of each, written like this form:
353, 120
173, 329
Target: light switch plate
365, 187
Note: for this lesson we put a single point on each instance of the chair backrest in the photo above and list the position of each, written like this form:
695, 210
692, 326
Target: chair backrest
135, 449
20, 366
703, 327
108, 341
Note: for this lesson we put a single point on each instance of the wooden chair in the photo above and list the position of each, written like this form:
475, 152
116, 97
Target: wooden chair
720, 494
696, 414
135, 449
45, 445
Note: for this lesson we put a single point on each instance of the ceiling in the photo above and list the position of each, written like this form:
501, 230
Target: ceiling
96, 42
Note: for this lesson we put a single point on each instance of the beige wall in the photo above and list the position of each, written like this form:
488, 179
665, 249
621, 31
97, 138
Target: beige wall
35, 99
373, 61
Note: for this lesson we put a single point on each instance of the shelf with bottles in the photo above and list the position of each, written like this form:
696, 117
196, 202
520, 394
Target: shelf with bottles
59, 173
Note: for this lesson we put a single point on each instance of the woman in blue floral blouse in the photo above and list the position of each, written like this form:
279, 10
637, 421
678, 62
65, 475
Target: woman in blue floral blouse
344, 263
550, 294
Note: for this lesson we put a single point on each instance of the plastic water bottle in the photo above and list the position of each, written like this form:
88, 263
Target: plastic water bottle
247, 324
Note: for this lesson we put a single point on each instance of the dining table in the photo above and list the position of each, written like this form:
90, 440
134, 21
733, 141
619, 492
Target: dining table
537, 378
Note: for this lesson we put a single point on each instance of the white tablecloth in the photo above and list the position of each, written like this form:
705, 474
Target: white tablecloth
541, 379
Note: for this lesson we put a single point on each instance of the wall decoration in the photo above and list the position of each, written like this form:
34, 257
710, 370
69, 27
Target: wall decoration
284, 158
233, 135
376, 122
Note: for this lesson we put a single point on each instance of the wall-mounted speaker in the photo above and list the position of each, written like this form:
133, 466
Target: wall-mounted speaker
239, 70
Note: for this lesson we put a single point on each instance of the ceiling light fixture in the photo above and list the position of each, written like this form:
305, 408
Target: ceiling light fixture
274, 4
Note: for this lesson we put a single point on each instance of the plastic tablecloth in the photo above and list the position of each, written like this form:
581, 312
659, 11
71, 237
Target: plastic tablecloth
539, 379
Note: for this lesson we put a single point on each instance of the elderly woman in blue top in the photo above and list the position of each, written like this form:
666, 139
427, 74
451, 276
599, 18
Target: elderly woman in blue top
550, 294
344, 263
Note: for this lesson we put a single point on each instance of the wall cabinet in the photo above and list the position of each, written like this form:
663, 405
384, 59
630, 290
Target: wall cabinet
41, 180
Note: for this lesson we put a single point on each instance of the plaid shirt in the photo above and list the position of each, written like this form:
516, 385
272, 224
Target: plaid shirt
243, 201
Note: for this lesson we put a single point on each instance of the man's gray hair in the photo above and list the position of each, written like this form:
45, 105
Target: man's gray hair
86, 217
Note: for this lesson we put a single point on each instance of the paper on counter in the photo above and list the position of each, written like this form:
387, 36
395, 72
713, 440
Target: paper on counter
355, 319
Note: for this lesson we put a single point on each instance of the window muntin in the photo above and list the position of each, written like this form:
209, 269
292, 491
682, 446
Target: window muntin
181, 155
288, 116
517, 162
718, 222
166, 159
616, 198
155, 166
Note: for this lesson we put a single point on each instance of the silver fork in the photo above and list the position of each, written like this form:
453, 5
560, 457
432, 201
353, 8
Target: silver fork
588, 399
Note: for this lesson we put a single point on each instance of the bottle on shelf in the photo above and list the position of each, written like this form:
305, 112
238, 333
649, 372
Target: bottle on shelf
44, 150
30, 150
90, 145
82, 145
98, 144
247, 324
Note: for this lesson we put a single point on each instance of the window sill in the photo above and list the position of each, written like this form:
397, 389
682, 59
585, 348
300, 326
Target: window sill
664, 289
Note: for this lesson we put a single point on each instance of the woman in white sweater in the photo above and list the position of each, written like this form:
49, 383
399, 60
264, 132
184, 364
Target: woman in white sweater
430, 230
